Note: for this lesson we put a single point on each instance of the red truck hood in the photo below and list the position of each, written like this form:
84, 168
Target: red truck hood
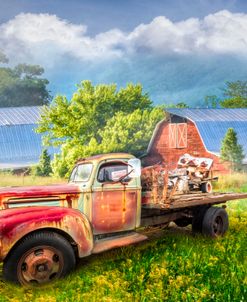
40, 192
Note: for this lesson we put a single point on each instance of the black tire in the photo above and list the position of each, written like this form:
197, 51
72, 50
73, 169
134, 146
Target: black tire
198, 219
183, 222
39, 258
215, 222
206, 187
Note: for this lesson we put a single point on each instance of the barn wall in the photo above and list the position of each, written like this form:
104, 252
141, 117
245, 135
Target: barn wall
161, 152
20, 145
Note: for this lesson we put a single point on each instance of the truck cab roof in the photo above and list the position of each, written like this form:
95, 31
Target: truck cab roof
101, 157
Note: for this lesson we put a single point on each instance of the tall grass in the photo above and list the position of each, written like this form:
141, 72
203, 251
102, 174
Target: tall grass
232, 182
174, 266
7, 179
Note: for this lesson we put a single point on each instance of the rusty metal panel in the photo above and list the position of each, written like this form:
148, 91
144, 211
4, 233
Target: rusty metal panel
117, 241
16, 223
114, 210
66, 195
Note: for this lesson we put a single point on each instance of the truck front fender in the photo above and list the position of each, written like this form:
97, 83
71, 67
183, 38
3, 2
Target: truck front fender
16, 223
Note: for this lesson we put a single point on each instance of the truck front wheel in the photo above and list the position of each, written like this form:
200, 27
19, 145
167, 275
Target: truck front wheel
215, 222
39, 258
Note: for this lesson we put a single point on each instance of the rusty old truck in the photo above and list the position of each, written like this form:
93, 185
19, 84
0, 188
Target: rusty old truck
107, 202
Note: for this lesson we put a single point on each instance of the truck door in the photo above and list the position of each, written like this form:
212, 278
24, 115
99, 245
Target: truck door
114, 202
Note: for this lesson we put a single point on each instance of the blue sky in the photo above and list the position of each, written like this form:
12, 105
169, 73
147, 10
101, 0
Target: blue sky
179, 50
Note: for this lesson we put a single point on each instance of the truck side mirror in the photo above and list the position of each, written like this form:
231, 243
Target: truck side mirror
134, 167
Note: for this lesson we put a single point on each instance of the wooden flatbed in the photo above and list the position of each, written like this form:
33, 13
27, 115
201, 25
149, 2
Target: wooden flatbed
194, 199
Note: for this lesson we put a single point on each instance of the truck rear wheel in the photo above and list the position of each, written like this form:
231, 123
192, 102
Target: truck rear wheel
198, 219
215, 222
39, 258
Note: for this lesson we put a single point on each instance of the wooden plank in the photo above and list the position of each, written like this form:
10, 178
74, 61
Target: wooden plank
195, 200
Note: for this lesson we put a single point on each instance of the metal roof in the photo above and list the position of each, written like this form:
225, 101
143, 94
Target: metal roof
210, 115
19, 115
213, 124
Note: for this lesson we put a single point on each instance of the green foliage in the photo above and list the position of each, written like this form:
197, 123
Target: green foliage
211, 101
130, 132
236, 93
98, 119
178, 105
44, 166
230, 149
22, 85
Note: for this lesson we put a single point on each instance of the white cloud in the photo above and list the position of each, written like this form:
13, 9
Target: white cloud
222, 32
45, 39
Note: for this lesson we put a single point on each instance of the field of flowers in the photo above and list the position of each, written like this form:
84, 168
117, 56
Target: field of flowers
173, 265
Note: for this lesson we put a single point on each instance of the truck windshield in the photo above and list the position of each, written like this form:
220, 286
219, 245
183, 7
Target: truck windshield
81, 173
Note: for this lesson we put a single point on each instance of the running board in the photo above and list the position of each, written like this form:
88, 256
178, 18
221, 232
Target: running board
117, 241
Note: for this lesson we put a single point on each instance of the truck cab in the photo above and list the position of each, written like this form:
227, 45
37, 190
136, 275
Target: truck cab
110, 191
43, 229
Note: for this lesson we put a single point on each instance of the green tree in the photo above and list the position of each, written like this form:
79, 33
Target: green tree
232, 151
44, 166
236, 95
180, 105
98, 119
22, 85
211, 101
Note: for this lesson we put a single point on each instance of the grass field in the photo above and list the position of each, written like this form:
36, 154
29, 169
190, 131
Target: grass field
173, 265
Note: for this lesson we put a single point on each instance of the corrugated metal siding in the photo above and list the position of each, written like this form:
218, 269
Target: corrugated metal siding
19, 115
19, 143
214, 123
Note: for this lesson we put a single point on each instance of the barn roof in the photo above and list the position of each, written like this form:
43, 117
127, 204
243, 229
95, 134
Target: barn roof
20, 145
19, 115
213, 124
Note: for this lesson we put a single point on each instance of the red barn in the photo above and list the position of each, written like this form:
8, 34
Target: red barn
198, 132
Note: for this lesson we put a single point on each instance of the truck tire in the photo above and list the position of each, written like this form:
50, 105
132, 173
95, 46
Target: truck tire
198, 219
215, 222
39, 258
206, 187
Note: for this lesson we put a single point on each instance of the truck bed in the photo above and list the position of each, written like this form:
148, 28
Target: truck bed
194, 199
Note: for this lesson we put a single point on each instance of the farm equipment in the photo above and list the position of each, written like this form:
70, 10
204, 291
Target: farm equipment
192, 174
106, 204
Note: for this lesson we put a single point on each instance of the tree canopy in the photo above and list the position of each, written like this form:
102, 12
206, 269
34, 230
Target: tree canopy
22, 85
234, 96
231, 150
98, 119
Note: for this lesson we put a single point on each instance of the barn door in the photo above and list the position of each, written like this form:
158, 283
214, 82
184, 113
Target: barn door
178, 135
181, 135
172, 135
